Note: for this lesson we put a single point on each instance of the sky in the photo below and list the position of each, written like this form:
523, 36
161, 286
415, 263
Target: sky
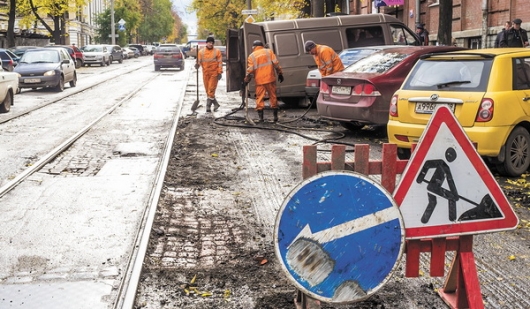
190, 19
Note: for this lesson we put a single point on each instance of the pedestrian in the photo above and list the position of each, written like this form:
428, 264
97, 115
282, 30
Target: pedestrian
327, 60
423, 34
507, 26
515, 36
211, 61
262, 64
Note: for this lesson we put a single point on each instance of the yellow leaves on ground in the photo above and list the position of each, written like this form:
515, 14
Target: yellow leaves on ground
511, 257
214, 155
191, 289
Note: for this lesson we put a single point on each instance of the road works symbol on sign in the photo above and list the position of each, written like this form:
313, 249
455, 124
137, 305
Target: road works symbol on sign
446, 188
339, 235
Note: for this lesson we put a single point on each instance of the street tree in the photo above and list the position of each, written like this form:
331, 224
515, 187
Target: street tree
157, 20
129, 11
215, 16
51, 14
445, 23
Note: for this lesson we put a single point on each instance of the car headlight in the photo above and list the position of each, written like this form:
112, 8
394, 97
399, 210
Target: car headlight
49, 73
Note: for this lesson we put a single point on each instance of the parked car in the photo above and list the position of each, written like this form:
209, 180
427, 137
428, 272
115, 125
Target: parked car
127, 53
8, 64
347, 56
168, 56
115, 52
74, 52
8, 88
46, 67
96, 54
136, 51
150, 49
488, 91
139, 47
20, 50
13, 56
360, 94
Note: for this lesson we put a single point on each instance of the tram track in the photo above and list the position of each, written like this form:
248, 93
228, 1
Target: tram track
127, 272
72, 92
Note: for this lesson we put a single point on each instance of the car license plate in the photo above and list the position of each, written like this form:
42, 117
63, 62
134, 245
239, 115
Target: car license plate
428, 108
340, 90
32, 80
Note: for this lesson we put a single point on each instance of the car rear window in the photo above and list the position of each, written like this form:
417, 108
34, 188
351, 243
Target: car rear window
168, 49
376, 63
449, 75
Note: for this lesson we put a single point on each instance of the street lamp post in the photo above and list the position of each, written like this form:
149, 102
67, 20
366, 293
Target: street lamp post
112, 30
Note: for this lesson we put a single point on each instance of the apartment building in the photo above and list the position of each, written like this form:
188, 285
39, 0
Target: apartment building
475, 22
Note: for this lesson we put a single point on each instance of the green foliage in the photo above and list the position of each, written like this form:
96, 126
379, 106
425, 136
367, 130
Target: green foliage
217, 16
158, 21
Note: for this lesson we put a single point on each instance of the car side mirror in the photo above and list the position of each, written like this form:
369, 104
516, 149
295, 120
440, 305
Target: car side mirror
66, 61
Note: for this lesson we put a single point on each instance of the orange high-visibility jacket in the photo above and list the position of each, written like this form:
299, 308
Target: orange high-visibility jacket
211, 61
262, 63
327, 60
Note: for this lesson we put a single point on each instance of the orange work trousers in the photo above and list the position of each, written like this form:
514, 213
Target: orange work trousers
261, 90
210, 83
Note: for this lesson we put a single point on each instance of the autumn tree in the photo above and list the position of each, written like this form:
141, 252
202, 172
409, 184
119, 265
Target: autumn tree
129, 11
214, 16
157, 20
52, 14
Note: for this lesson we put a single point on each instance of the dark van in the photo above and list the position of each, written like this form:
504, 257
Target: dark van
286, 38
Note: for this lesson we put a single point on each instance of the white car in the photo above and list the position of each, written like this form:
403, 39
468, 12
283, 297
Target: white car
8, 88
96, 54
348, 56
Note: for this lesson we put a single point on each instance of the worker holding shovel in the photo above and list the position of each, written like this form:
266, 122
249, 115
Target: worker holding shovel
211, 61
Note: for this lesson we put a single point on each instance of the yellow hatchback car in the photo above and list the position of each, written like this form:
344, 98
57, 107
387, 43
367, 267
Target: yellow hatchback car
489, 92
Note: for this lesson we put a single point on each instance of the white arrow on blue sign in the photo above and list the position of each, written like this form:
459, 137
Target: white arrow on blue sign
339, 236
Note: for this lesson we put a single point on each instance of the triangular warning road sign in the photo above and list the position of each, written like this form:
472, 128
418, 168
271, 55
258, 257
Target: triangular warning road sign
446, 188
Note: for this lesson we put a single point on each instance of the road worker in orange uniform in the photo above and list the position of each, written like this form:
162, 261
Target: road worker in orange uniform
211, 61
262, 64
327, 60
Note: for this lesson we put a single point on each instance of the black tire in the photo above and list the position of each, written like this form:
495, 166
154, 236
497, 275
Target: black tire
78, 63
111, 59
73, 82
517, 153
352, 126
103, 63
403, 153
6, 104
121, 60
157, 68
60, 85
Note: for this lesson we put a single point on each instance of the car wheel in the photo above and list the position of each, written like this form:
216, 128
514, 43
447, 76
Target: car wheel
352, 126
111, 59
516, 152
103, 63
182, 67
157, 68
60, 85
6, 104
78, 63
403, 153
121, 60
73, 82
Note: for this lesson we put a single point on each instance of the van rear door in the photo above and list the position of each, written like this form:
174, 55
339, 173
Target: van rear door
235, 69
238, 48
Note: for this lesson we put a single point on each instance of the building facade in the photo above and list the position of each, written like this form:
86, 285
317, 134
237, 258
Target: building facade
475, 22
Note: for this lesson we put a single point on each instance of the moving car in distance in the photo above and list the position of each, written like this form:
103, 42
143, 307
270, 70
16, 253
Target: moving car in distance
488, 91
359, 95
168, 56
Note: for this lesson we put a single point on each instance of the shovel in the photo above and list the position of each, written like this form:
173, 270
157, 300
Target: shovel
195, 104
249, 120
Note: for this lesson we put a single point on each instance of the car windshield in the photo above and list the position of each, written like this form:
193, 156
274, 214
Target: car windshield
93, 49
376, 63
43, 56
449, 75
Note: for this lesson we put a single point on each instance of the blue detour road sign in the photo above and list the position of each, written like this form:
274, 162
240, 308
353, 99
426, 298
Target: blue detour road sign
339, 236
